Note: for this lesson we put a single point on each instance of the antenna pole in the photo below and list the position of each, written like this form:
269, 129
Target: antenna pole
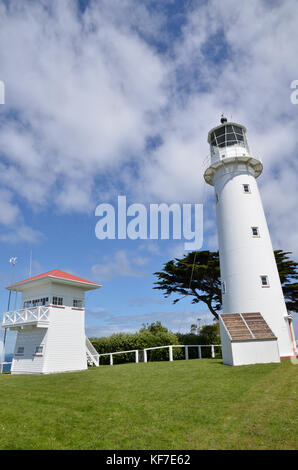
30, 264
13, 263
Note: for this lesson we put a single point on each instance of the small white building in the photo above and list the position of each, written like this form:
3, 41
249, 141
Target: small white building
247, 339
50, 324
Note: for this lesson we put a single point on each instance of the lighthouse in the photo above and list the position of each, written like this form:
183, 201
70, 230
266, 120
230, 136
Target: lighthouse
255, 325
50, 324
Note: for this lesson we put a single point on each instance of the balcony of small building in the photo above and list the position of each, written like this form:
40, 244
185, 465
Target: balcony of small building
34, 316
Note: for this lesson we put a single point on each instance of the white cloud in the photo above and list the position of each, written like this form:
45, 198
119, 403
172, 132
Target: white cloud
121, 263
14, 228
176, 321
87, 92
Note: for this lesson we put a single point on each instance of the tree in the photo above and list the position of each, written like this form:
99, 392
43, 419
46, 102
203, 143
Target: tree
288, 273
154, 328
210, 333
197, 275
202, 269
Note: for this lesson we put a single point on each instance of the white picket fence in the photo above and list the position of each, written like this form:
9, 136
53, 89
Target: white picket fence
170, 347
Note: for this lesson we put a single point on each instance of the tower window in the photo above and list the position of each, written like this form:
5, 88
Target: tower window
223, 287
255, 231
38, 349
20, 350
77, 303
246, 188
265, 281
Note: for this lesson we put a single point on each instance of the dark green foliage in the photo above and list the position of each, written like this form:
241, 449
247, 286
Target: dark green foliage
202, 267
198, 275
288, 275
148, 336
154, 328
156, 335
209, 334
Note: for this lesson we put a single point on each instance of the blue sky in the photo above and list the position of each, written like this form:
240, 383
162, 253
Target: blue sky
113, 98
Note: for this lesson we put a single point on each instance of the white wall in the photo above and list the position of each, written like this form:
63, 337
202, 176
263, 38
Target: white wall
255, 352
226, 347
65, 346
29, 338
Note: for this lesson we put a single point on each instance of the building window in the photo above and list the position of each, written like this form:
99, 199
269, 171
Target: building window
20, 350
265, 281
255, 231
38, 349
57, 300
77, 303
246, 188
223, 287
36, 302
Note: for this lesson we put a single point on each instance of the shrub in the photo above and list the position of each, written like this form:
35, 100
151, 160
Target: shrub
156, 335
208, 334
148, 337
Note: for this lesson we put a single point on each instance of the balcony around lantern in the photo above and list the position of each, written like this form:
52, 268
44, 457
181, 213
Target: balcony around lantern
34, 316
234, 153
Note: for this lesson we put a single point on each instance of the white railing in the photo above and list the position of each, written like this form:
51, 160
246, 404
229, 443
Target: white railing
136, 351
26, 315
206, 163
170, 347
186, 346
92, 354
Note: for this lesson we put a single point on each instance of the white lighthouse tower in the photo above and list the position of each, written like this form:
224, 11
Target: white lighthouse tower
254, 310
50, 324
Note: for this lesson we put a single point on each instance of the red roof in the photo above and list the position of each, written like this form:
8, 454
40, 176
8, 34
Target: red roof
57, 273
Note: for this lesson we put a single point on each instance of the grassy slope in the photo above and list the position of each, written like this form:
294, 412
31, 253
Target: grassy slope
197, 404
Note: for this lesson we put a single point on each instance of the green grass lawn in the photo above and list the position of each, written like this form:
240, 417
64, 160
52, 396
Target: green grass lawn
195, 404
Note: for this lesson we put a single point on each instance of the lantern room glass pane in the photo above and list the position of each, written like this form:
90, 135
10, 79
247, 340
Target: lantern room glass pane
226, 136
238, 129
220, 131
240, 137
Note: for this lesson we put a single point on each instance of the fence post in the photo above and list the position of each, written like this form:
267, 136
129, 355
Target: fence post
111, 359
170, 353
199, 352
145, 355
212, 351
137, 355
186, 352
